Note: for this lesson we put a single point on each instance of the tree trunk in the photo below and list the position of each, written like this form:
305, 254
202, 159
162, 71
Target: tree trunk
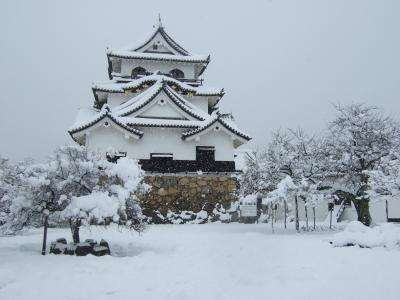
296, 204
46, 224
75, 225
361, 202
364, 216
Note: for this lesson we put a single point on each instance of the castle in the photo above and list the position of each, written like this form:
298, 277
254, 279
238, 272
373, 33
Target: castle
156, 109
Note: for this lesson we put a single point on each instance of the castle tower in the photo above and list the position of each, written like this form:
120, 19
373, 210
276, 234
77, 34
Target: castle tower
155, 109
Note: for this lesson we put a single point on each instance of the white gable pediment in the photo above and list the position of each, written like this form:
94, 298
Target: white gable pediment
218, 128
163, 107
107, 125
158, 45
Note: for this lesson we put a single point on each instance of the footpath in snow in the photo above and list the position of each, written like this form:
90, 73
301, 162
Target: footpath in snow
212, 261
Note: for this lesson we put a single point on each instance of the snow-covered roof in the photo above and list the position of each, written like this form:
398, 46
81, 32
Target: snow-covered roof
147, 96
171, 51
153, 122
130, 124
225, 122
121, 87
87, 120
170, 41
158, 56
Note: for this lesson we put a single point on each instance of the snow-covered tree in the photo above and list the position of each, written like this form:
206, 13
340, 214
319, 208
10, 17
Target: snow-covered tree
57, 189
4, 187
267, 166
11, 176
359, 138
295, 155
384, 181
111, 200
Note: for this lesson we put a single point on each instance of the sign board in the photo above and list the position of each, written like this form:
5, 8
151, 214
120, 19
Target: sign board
248, 210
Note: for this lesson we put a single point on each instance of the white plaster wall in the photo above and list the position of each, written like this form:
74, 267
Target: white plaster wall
166, 140
167, 111
115, 99
128, 65
321, 211
200, 102
378, 209
394, 207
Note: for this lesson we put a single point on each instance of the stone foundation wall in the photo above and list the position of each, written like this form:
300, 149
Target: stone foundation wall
177, 193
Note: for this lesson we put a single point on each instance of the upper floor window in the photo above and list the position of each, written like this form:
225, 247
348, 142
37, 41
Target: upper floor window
176, 73
138, 71
116, 65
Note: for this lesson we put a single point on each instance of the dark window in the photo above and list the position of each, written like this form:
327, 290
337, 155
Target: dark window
162, 162
176, 73
205, 156
138, 71
161, 155
116, 65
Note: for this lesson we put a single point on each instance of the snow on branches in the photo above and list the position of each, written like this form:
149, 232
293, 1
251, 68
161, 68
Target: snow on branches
354, 155
78, 186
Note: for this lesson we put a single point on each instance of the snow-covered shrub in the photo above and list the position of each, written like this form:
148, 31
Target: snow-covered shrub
79, 186
110, 197
357, 234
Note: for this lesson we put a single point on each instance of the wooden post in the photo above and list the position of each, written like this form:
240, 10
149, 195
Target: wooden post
297, 213
46, 223
314, 216
330, 219
387, 211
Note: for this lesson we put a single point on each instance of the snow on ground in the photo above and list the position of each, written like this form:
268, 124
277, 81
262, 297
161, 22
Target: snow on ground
385, 235
212, 261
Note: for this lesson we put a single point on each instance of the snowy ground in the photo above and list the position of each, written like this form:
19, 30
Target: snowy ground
214, 261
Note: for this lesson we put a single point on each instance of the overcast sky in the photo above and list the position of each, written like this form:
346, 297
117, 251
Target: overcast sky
282, 63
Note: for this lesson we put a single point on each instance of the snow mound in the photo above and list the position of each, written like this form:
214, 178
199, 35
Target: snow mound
355, 233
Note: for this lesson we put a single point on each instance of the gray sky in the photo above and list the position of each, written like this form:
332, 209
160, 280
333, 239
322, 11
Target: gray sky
282, 63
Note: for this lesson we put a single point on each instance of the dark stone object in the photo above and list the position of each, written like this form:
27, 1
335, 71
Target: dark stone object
83, 249
91, 242
61, 241
70, 249
57, 248
100, 250
104, 243
90, 246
